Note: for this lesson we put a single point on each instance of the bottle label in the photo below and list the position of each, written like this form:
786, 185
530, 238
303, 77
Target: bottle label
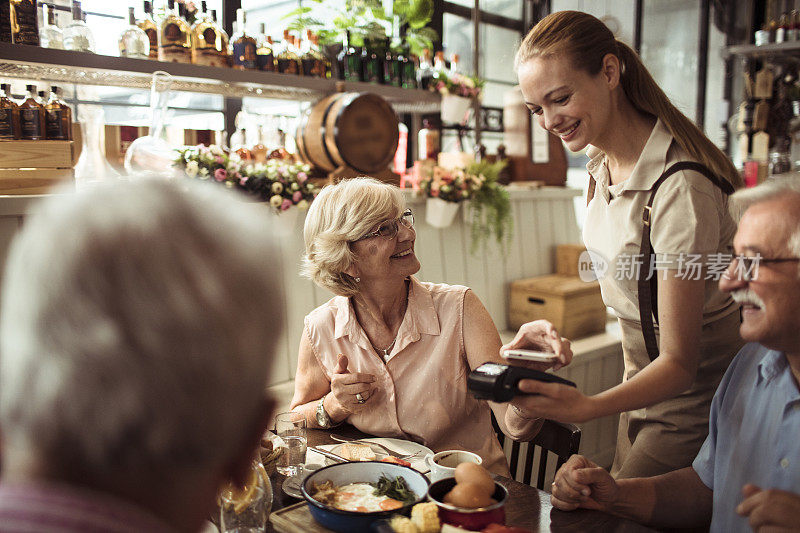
352, 67
6, 124
209, 57
175, 53
244, 54
288, 66
266, 62
373, 71
24, 23
30, 123
54, 125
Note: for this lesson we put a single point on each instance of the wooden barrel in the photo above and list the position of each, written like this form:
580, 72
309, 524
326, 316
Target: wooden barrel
356, 130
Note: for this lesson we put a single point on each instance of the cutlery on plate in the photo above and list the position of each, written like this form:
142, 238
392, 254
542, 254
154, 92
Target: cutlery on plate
329, 455
388, 451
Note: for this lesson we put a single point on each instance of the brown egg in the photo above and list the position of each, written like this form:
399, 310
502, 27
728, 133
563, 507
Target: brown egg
472, 473
468, 496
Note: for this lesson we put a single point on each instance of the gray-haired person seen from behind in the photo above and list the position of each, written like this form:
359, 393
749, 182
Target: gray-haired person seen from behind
135, 354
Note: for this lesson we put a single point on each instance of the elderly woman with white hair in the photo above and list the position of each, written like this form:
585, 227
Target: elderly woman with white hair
390, 354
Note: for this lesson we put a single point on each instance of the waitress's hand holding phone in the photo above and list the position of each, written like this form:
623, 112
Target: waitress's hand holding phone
540, 337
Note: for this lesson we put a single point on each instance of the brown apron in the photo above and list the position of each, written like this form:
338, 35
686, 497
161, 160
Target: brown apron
668, 435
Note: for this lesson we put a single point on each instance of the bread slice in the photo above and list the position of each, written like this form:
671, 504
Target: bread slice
357, 452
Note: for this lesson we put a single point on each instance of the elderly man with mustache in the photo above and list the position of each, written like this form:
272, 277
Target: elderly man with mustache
747, 474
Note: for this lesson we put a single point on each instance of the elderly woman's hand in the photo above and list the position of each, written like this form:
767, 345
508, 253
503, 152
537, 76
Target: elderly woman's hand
541, 335
351, 391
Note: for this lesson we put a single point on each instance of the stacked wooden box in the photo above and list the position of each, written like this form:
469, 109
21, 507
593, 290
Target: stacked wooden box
575, 307
34, 167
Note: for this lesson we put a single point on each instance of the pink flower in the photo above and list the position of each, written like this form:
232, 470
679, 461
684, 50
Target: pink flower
297, 196
242, 179
218, 159
220, 174
302, 177
286, 204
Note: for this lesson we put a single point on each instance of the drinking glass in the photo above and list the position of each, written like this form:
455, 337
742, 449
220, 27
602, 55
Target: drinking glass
243, 511
291, 428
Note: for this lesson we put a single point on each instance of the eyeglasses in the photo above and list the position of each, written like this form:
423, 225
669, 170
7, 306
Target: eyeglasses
747, 266
390, 228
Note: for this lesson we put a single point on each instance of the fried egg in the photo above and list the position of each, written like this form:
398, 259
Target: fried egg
361, 498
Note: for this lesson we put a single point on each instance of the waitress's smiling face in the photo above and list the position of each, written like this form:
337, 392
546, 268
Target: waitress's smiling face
567, 101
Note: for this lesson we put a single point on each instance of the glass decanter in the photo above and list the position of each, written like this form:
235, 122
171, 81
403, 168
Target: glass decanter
152, 155
92, 167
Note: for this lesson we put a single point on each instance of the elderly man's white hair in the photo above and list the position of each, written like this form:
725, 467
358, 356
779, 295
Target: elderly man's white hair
137, 328
769, 190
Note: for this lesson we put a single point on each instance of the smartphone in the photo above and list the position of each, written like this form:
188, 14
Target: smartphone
530, 355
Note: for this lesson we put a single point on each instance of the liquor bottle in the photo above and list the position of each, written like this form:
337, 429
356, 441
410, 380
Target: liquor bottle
149, 26
349, 60
259, 150
19, 22
41, 97
209, 46
50, 35
77, 35
134, 42
57, 117
772, 20
31, 116
244, 46
425, 70
310, 59
174, 37
454, 65
224, 51
326, 69
9, 114
429, 141
391, 66
794, 25
287, 59
265, 59
408, 68
782, 32
371, 63
239, 138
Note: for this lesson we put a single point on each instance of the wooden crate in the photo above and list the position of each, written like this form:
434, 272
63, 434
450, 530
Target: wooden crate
34, 167
567, 257
574, 307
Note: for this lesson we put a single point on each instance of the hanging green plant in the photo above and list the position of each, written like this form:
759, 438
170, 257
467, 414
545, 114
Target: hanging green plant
489, 206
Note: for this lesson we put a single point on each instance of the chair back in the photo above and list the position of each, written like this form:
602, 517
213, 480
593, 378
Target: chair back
561, 440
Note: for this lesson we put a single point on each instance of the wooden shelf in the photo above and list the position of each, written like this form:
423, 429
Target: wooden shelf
791, 48
46, 64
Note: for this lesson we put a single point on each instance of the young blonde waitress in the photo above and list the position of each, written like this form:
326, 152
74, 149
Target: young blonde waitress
679, 333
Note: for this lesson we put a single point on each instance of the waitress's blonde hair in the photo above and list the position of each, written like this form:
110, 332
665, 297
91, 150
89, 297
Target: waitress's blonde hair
586, 41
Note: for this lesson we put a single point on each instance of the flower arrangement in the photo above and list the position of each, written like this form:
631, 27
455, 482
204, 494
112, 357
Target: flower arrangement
489, 202
458, 85
281, 182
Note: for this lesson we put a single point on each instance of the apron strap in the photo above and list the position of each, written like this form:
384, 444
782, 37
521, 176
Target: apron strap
648, 278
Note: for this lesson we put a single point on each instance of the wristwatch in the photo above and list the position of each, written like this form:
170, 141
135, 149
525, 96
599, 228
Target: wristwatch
323, 418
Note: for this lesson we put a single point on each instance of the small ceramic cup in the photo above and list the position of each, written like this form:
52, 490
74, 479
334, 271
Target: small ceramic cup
443, 464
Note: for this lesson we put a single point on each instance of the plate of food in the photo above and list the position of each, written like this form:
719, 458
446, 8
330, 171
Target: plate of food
376, 449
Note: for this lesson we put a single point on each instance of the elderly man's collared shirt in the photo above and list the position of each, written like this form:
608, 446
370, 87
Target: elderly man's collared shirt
422, 385
690, 220
56, 508
754, 430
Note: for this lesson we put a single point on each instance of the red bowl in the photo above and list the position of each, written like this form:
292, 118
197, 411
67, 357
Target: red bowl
472, 519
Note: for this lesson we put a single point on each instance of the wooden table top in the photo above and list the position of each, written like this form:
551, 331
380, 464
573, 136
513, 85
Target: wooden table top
527, 507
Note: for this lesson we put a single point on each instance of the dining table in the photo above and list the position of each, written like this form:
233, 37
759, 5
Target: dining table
528, 507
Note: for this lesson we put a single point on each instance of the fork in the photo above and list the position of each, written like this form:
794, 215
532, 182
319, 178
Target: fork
388, 451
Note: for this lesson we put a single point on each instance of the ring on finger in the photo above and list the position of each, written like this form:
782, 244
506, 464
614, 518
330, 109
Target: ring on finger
359, 398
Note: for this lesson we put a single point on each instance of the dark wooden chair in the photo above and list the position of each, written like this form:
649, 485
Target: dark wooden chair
563, 440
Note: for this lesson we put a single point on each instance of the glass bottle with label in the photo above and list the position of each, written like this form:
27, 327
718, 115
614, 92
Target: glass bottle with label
174, 37
425, 70
391, 65
151, 154
265, 58
429, 141
19, 22
9, 114
224, 49
326, 67
209, 47
287, 59
349, 60
57, 117
408, 68
372, 62
244, 45
77, 35
31, 116
149, 26
50, 35
134, 42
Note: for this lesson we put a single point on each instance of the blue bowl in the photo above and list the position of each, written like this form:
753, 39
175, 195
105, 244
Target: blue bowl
359, 472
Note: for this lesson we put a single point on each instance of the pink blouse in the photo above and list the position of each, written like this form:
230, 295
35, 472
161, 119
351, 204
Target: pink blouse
422, 386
